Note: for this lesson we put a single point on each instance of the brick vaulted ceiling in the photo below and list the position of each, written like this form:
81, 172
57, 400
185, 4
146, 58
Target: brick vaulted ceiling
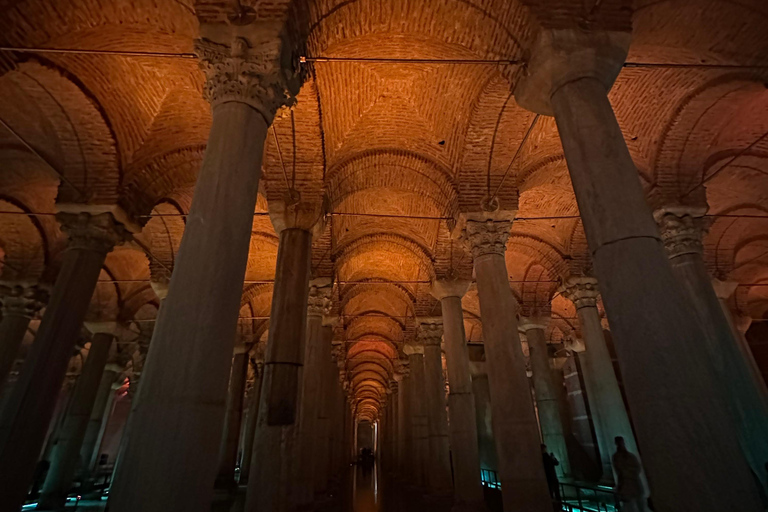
396, 150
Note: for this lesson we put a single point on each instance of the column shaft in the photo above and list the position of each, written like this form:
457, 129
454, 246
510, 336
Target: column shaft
176, 423
468, 492
486, 444
551, 422
680, 417
13, 327
232, 422
254, 399
439, 467
66, 454
419, 422
324, 434
98, 420
403, 420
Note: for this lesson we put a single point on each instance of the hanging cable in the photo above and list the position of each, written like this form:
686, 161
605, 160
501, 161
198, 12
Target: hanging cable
517, 153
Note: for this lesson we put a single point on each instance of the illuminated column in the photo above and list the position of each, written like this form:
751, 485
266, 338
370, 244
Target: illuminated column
419, 423
550, 421
30, 406
315, 354
438, 468
65, 457
19, 305
254, 395
515, 429
233, 420
682, 230
609, 415
678, 408
468, 492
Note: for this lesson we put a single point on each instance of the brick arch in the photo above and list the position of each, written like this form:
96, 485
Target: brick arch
23, 243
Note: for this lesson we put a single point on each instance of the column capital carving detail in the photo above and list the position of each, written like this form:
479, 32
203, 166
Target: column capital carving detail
247, 73
682, 230
582, 291
487, 234
533, 322
92, 232
430, 331
21, 300
319, 302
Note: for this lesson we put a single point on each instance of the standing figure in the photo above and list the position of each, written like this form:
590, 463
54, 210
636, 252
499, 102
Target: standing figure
630, 487
550, 462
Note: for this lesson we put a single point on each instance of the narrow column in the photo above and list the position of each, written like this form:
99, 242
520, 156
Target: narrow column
401, 449
98, 419
481, 389
323, 438
254, 395
468, 490
550, 421
680, 415
682, 230
419, 425
438, 468
66, 454
19, 305
609, 415
515, 429
315, 352
269, 487
233, 420
27, 413
407, 456
173, 449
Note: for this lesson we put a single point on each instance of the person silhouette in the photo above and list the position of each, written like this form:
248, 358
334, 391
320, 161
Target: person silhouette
629, 486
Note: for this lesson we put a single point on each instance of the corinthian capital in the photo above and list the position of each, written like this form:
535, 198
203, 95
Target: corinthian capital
487, 233
20, 300
253, 73
319, 303
682, 230
92, 232
430, 331
582, 291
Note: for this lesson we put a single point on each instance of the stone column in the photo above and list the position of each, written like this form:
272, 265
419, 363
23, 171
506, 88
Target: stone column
323, 438
66, 454
682, 230
269, 487
419, 423
19, 305
438, 466
254, 395
233, 420
27, 413
402, 453
609, 415
97, 422
481, 389
550, 421
681, 419
173, 449
315, 352
515, 429
468, 490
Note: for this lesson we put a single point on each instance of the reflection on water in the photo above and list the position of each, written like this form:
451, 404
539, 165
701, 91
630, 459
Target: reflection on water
365, 489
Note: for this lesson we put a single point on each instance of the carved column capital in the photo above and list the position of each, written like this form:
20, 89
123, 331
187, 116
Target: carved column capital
430, 331
442, 288
487, 233
21, 300
402, 369
92, 232
582, 291
251, 73
319, 303
682, 230
533, 322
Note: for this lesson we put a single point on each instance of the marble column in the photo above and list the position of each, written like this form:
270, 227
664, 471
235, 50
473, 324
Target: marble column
102, 406
515, 429
323, 438
609, 414
468, 490
173, 449
271, 485
254, 399
19, 305
233, 420
682, 230
28, 411
315, 354
438, 468
486, 444
550, 420
419, 422
401, 450
679, 411
66, 455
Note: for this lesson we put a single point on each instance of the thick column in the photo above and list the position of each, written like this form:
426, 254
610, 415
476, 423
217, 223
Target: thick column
254, 395
419, 423
327, 390
438, 467
269, 487
27, 413
315, 352
609, 414
682, 230
233, 420
97, 422
66, 454
173, 449
468, 490
486, 444
681, 419
515, 429
550, 421
19, 305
